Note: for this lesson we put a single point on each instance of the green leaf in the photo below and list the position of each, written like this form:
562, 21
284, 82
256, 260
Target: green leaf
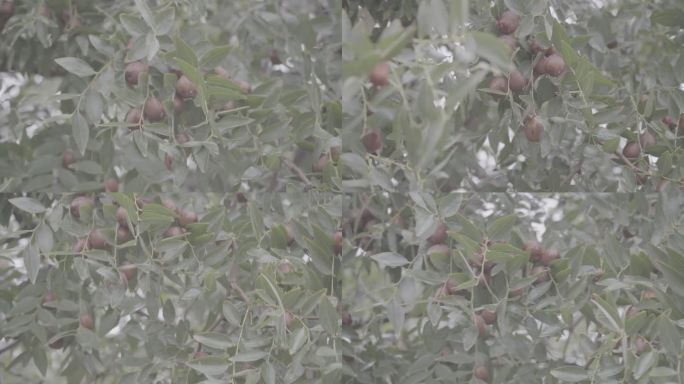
214, 56
298, 340
668, 17
571, 374
214, 340
244, 357
501, 226
329, 317
32, 262
669, 335
28, 204
492, 49
390, 259
644, 363
80, 131
76, 66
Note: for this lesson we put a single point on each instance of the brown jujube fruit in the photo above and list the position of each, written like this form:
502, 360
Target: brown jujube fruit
128, 270
275, 59
647, 138
439, 235
123, 234
122, 216
549, 255
535, 249
373, 141
439, 250
134, 118
153, 109
285, 267
244, 86
182, 138
185, 88
186, 218
481, 373
6, 9
499, 84
540, 66
200, 354
542, 272
550, 51
346, 319
240, 197
169, 204
86, 321
640, 344
173, 231
79, 245
168, 161
612, 44
57, 344
481, 325
338, 238
681, 121
68, 158
133, 71
380, 74
48, 297
78, 203
220, 71
44, 11
516, 81
290, 234
631, 150
534, 129
111, 185
667, 120
488, 316
96, 240
555, 65
508, 22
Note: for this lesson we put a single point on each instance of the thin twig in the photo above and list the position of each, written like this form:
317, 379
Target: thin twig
240, 292
296, 170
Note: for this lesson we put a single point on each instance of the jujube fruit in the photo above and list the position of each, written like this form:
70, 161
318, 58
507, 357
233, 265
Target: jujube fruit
631, 150
173, 231
122, 216
111, 185
6, 9
346, 319
48, 298
646, 139
555, 65
667, 120
185, 88
481, 373
134, 118
612, 44
96, 240
79, 245
508, 22
541, 272
86, 321
373, 141
182, 138
439, 234
516, 81
128, 271
221, 72
338, 238
244, 86
78, 203
488, 316
153, 109
535, 249
68, 158
57, 344
177, 104
549, 255
168, 161
540, 66
499, 84
200, 354
550, 51
290, 234
123, 234
186, 218
380, 74
275, 59
481, 325
534, 129
133, 71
